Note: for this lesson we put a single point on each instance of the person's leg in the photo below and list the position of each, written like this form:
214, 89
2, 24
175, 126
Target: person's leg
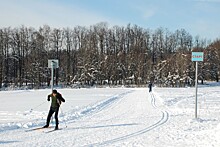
56, 118
48, 118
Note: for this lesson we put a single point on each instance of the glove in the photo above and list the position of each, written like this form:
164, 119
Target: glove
48, 97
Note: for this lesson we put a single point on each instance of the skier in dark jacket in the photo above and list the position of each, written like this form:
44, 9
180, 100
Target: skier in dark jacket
150, 87
56, 99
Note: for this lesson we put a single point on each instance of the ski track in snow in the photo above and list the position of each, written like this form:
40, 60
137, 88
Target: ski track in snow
163, 120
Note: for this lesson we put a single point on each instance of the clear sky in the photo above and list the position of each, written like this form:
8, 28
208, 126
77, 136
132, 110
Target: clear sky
198, 17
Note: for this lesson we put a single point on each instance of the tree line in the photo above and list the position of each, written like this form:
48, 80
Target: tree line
103, 55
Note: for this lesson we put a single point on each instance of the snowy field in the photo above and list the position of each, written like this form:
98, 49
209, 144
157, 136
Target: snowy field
115, 117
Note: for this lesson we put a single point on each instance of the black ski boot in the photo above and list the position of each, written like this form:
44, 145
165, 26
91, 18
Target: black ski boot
46, 126
56, 128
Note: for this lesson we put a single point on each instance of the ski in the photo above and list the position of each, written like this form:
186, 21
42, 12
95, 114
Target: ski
38, 128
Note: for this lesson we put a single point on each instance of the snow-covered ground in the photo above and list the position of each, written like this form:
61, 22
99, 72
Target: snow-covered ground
121, 117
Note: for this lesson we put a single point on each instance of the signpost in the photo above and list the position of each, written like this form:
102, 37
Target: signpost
196, 56
52, 63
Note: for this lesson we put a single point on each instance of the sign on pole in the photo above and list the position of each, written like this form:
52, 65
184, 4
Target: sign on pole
52, 63
196, 56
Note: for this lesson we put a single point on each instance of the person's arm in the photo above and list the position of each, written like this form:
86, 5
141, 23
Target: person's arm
48, 97
60, 98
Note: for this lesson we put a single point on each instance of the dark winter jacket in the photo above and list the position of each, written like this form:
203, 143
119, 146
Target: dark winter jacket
56, 100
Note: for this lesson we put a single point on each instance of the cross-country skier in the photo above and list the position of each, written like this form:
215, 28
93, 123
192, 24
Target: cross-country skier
56, 99
150, 87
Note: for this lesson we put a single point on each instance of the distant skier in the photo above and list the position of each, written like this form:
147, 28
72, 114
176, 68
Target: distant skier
150, 87
56, 99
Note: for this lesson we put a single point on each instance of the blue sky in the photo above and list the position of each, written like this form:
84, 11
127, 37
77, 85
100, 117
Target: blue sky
198, 17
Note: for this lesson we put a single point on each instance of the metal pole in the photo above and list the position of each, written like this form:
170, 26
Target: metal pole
196, 86
52, 76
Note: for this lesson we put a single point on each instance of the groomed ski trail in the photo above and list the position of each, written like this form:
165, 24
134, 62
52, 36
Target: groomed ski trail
161, 120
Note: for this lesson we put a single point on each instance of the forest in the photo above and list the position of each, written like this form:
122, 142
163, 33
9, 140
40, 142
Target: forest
102, 55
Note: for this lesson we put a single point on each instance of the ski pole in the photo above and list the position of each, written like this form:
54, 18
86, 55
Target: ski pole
37, 106
63, 115
59, 103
